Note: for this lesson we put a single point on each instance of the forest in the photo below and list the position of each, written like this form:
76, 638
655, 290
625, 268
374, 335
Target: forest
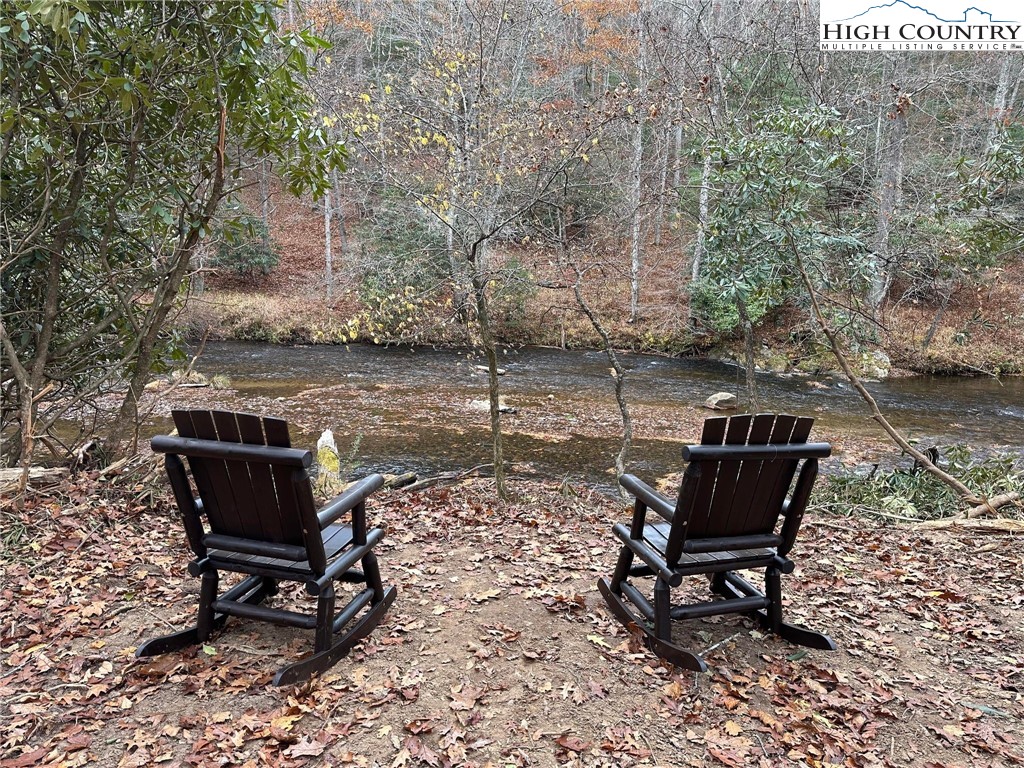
383, 221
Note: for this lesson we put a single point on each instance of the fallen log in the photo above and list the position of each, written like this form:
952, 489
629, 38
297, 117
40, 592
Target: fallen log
399, 481
992, 505
37, 476
446, 477
975, 525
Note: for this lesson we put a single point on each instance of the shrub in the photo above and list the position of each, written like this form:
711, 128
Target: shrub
244, 244
911, 493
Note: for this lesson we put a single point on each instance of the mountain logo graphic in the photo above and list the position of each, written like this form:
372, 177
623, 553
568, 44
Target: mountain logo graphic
968, 15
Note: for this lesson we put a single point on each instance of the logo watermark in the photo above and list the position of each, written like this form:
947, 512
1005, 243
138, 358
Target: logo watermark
922, 25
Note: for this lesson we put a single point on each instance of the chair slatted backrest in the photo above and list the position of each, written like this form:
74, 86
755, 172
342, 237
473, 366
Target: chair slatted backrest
246, 499
741, 497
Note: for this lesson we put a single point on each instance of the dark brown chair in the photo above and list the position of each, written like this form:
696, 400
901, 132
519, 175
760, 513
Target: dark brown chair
255, 515
731, 497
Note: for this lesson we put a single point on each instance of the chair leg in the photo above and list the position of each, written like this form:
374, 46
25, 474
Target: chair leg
207, 621
269, 587
325, 659
662, 647
662, 608
773, 591
207, 594
771, 618
718, 585
371, 572
621, 571
325, 618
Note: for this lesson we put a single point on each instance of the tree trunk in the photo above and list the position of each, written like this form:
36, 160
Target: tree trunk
30, 382
634, 204
700, 249
483, 318
265, 201
659, 214
328, 256
999, 105
748, 354
890, 190
618, 373
339, 212
937, 319
163, 301
636, 170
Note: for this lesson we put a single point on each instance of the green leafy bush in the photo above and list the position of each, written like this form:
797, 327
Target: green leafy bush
713, 307
244, 245
911, 493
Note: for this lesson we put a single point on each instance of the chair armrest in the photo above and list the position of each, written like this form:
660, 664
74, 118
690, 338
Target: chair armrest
654, 559
650, 497
352, 496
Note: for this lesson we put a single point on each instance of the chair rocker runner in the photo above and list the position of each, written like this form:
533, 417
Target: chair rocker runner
260, 520
725, 519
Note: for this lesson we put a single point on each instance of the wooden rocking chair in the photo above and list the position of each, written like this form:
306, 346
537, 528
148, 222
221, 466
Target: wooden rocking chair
260, 520
724, 520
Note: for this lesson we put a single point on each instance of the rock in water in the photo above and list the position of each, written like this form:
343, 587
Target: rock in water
878, 365
721, 401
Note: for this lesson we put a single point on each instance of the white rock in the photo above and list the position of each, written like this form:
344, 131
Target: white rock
721, 401
484, 406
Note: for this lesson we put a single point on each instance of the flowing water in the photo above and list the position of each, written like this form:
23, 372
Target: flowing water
979, 411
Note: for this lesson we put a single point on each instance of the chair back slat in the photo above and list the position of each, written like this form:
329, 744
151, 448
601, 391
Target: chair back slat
268, 507
738, 517
229, 520
725, 487
277, 434
798, 432
762, 512
250, 523
713, 434
210, 477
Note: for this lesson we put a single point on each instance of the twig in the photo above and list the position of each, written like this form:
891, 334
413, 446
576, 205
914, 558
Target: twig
447, 476
720, 643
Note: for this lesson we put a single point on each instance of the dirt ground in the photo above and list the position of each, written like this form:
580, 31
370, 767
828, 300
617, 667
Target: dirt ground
500, 652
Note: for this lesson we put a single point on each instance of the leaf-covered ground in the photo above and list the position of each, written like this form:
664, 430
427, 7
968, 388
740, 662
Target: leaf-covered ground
499, 651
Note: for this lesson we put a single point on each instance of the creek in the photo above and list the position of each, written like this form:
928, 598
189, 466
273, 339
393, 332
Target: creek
407, 408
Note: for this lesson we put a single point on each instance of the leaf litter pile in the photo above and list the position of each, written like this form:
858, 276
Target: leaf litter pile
499, 651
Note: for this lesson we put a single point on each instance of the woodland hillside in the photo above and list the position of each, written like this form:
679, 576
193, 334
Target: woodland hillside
665, 157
